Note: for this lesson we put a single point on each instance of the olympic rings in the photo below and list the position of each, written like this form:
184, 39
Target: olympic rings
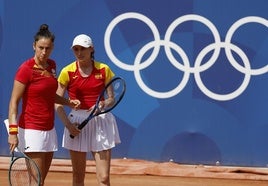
139, 79
204, 88
185, 65
228, 38
110, 28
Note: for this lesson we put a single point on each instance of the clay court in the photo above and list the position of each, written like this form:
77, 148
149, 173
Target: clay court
131, 172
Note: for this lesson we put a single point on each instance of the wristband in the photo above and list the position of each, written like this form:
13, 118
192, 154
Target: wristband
13, 129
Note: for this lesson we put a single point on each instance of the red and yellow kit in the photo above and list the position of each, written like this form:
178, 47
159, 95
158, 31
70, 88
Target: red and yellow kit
39, 95
85, 89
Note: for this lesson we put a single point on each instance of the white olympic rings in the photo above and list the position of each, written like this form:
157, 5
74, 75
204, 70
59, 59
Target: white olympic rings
185, 65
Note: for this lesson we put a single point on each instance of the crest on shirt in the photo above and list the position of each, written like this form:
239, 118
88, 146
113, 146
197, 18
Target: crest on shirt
98, 76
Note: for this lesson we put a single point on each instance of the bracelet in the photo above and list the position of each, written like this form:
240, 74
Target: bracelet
13, 129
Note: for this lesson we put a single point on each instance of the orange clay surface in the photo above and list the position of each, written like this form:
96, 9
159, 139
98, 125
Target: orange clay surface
132, 172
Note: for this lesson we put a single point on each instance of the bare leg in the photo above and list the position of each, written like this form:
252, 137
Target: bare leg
79, 167
43, 161
103, 160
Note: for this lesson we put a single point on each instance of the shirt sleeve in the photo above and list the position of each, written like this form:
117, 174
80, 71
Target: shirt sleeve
109, 75
23, 74
64, 77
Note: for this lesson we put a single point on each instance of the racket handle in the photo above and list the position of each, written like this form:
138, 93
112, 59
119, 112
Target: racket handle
81, 126
83, 123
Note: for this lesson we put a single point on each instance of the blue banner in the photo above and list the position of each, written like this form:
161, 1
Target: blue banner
196, 72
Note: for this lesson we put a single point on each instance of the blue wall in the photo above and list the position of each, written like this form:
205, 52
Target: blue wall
196, 72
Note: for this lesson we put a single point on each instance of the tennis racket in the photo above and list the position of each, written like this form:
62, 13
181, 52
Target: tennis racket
23, 170
116, 87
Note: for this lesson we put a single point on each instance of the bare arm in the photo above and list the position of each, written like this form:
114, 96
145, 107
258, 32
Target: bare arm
59, 99
62, 114
16, 95
108, 102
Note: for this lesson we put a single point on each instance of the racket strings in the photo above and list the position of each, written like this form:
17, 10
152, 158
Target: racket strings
118, 89
115, 88
24, 172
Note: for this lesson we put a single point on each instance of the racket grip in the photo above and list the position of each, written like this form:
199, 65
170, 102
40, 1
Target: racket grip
83, 124
80, 126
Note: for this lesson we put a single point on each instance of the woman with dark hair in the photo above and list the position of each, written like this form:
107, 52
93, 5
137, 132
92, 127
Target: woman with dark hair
36, 85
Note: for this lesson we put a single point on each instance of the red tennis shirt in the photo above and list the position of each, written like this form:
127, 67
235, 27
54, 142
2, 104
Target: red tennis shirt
85, 89
39, 96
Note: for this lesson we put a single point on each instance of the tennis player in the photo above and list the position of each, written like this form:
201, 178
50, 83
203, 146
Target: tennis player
36, 84
84, 79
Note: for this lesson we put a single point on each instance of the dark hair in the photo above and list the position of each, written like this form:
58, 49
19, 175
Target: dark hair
44, 32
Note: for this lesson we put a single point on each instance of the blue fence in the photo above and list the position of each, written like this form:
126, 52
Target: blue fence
196, 72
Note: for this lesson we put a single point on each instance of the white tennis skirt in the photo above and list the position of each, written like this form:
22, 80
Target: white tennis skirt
101, 133
37, 141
